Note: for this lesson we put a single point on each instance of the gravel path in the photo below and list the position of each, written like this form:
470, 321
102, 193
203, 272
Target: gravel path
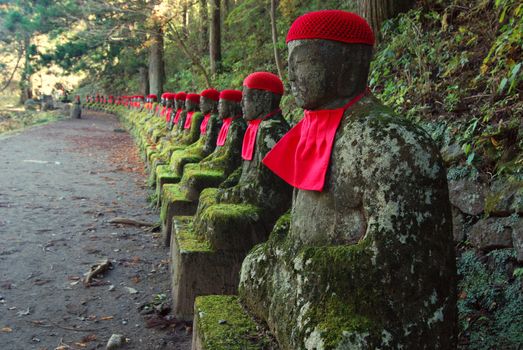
60, 184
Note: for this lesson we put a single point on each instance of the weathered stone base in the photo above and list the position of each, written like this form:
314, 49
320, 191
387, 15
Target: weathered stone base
197, 269
174, 202
220, 323
164, 175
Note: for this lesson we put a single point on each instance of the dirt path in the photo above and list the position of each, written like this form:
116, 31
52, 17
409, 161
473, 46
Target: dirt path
60, 184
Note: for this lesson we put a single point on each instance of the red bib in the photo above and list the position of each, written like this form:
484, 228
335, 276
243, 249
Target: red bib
168, 114
222, 136
188, 120
249, 139
203, 125
302, 156
177, 116
162, 113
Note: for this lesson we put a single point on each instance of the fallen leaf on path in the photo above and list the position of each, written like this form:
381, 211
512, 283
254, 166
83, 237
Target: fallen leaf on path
156, 321
106, 318
24, 312
127, 221
96, 270
135, 279
6, 330
131, 290
40, 282
89, 338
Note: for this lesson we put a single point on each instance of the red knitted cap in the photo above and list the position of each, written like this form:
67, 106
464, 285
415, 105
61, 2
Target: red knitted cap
264, 81
164, 95
181, 96
170, 96
336, 25
231, 95
152, 96
212, 94
193, 98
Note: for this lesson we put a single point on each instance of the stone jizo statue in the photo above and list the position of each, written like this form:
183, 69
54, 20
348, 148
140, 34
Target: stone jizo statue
366, 259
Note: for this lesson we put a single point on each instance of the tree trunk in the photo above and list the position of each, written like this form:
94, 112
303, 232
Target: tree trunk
144, 80
377, 11
226, 8
156, 64
185, 20
277, 58
204, 27
26, 90
215, 37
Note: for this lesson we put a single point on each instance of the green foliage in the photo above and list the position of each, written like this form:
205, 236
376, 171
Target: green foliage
503, 62
437, 63
490, 301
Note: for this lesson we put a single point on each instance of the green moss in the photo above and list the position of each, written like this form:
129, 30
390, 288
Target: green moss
345, 307
170, 193
226, 213
232, 179
224, 325
201, 175
187, 240
164, 172
208, 197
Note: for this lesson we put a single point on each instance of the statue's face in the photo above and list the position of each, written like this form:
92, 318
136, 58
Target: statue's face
190, 105
169, 103
207, 105
227, 108
179, 104
309, 68
323, 71
255, 103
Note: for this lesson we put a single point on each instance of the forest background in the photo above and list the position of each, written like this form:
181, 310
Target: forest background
454, 67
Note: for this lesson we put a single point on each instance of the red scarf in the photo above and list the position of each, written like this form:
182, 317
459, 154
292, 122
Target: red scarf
222, 136
177, 116
188, 120
302, 156
249, 139
203, 125
168, 114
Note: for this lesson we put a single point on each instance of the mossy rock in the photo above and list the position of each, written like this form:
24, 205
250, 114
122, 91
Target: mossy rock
221, 324
170, 193
187, 240
233, 227
164, 176
196, 178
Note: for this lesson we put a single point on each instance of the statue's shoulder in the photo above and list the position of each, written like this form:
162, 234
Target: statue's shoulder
372, 120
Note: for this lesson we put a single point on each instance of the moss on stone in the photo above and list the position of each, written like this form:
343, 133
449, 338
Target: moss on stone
170, 193
224, 325
225, 214
201, 175
344, 308
164, 172
187, 240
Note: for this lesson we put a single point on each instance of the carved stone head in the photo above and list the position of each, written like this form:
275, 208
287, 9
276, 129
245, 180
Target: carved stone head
258, 103
229, 104
192, 102
227, 108
179, 104
208, 105
325, 73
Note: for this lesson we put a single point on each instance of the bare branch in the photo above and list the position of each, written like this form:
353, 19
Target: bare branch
190, 55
